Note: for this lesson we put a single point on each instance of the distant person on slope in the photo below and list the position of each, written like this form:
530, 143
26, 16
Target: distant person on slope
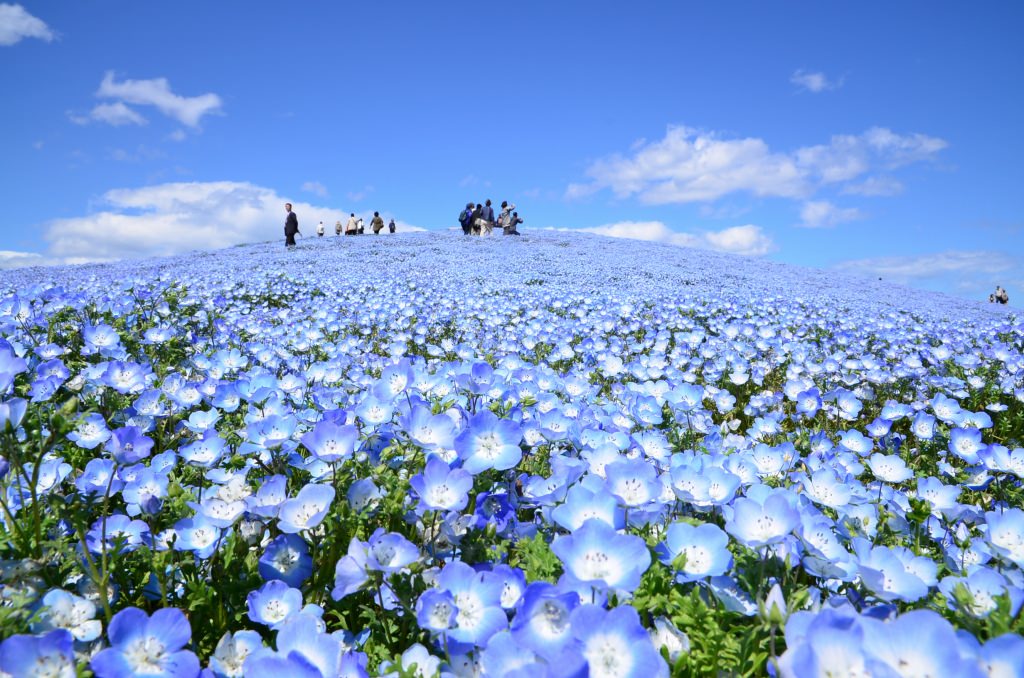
377, 224
488, 217
516, 220
1000, 296
391, 226
352, 226
291, 226
466, 219
477, 220
320, 230
505, 218
337, 228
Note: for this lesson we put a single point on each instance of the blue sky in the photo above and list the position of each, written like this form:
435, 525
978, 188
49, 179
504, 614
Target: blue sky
878, 138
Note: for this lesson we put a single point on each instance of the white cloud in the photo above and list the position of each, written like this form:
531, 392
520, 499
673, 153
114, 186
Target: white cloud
748, 240
357, 196
189, 111
875, 187
823, 214
693, 166
316, 188
17, 24
178, 135
116, 114
814, 81
174, 218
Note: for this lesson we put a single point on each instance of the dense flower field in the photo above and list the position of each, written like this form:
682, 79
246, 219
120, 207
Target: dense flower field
551, 455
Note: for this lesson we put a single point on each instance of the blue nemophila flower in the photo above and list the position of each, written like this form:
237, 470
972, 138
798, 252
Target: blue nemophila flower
121, 534
50, 655
582, 504
429, 430
197, 534
12, 412
976, 593
268, 499
126, 377
917, 643
666, 636
441, 488
598, 555
145, 491
390, 552
306, 510
147, 645
503, 656
615, 644
99, 477
895, 573
634, 481
63, 610
331, 442
477, 597
1002, 656
11, 365
128, 445
889, 468
542, 623
923, 426
350, 573
1006, 534
436, 611
760, 523
489, 442
286, 558
364, 495
695, 552
231, 652
92, 431
205, 452
966, 444
273, 603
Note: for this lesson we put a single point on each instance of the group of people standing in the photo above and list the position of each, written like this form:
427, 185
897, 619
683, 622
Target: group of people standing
353, 227
479, 219
999, 296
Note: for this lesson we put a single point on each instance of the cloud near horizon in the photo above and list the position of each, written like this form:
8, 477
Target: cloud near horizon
823, 214
17, 24
690, 165
747, 240
978, 271
175, 218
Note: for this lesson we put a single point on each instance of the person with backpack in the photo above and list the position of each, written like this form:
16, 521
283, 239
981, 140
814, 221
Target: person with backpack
466, 219
505, 218
391, 226
291, 226
377, 224
477, 219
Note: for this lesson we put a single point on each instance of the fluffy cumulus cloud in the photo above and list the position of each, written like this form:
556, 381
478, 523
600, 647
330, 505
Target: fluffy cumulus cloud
813, 81
823, 214
17, 24
156, 92
173, 218
689, 165
748, 239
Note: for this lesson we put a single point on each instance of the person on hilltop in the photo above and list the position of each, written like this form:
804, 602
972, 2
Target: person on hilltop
377, 224
320, 230
391, 226
999, 296
291, 226
488, 216
337, 228
505, 218
516, 220
466, 219
352, 227
476, 219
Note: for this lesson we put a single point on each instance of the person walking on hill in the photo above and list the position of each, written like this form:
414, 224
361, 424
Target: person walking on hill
377, 224
291, 226
391, 226
320, 230
505, 218
337, 228
352, 226
516, 220
477, 219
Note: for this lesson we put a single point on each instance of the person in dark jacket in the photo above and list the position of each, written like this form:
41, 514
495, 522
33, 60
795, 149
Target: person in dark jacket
476, 219
391, 226
291, 226
488, 217
515, 221
466, 219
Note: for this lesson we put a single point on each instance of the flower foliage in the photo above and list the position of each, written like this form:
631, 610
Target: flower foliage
556, 456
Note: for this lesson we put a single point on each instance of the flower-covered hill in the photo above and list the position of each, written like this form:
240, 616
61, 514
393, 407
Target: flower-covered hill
559, 454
